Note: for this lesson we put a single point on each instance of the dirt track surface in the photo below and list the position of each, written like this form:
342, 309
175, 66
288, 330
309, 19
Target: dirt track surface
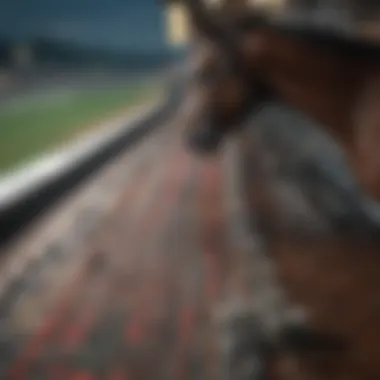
122, 280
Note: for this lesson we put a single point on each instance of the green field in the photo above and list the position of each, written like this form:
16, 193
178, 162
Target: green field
33, 127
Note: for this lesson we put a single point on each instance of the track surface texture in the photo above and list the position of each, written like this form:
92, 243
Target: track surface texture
131, 289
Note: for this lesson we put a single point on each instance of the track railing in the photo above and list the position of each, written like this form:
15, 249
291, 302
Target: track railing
21, 206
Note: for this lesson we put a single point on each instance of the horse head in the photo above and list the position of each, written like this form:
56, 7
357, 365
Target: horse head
222, 90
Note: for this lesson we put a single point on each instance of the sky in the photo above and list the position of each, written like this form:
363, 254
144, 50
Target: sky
104, 23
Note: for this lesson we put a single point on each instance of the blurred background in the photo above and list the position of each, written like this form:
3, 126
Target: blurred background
66, 65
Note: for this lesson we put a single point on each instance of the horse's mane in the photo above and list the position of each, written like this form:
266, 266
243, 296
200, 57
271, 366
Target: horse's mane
350, 46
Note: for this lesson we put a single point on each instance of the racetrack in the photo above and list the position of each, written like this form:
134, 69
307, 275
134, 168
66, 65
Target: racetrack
122, 280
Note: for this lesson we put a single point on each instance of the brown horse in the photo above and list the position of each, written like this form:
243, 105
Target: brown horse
245, 62
334, 80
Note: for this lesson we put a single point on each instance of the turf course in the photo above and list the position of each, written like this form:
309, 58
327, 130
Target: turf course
40, 124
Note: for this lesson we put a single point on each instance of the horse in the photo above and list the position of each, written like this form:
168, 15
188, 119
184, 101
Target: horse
331, 78
245, 63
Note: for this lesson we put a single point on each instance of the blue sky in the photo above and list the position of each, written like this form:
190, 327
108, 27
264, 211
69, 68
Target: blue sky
109, 23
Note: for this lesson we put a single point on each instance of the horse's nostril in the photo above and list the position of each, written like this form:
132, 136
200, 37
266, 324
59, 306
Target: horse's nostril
204, 141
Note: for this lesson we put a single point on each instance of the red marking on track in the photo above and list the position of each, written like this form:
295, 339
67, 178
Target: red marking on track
117, 375
140, 328
74, 337
76, 333
135, 333
187, 323
20, 369
83, 375
58, 372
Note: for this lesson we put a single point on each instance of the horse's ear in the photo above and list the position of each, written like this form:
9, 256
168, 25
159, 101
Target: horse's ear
203, 20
